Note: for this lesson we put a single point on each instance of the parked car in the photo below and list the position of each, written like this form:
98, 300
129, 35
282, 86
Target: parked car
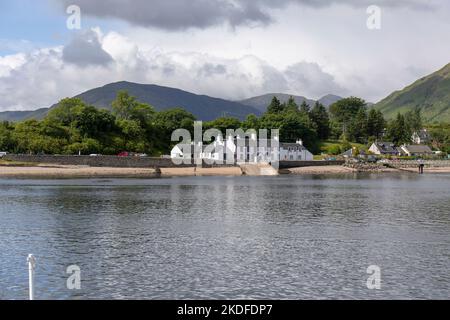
2, 154
95, 155
124, 154
131, 154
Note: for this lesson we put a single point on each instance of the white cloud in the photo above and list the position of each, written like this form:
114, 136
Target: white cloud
309, 77
10, 63
41, 78
85, 49
305, 47
182, 14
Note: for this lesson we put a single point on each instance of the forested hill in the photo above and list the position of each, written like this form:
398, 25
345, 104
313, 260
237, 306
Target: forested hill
431, 94
261, 102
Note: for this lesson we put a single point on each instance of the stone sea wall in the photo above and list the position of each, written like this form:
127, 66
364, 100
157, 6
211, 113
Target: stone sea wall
100, 161
137, 162
404, 164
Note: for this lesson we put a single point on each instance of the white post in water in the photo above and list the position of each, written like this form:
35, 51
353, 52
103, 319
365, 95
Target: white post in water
31, 266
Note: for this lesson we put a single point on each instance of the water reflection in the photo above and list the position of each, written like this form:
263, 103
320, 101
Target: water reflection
280, 237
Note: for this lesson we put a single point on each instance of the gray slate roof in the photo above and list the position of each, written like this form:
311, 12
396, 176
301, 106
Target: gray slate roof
386, 147
419, 149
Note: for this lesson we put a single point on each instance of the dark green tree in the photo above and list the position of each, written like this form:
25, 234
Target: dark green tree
291, 105
6, 139
292, 126
319, 116
413, 120
357, 129
375, 124
305, 108
275, 107
126, 107
251, 122
398, 130
344, 111
65, 111
92, 122
168, 121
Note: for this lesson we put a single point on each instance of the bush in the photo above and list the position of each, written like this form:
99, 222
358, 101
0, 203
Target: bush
346, 146
334, 150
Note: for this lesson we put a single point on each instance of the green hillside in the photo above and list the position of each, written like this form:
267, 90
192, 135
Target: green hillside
431, 94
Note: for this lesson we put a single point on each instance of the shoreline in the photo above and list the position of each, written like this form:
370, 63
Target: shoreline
62, 171
55, 172
317, 170
67, 172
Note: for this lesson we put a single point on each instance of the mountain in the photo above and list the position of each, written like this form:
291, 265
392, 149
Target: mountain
262, 102
329, 99
203, 107
162, 98
431, 94
23, 115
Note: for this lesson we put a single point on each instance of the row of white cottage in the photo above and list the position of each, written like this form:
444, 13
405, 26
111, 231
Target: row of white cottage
244, 150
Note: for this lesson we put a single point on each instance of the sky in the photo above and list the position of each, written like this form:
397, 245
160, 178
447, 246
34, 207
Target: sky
231, 49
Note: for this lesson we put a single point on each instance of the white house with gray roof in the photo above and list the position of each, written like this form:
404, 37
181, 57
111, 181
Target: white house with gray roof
245, 150
385, 148
417, 150
421, 137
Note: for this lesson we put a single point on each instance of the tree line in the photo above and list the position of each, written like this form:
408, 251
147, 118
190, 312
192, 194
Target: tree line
74, 127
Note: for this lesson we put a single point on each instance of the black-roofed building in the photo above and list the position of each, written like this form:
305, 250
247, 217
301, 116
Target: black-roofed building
385, 148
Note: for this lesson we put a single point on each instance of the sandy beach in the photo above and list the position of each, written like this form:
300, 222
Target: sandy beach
53, 171
74, 172
319, 170
59, 171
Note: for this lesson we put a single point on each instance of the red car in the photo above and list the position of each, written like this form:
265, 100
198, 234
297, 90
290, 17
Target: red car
124, 154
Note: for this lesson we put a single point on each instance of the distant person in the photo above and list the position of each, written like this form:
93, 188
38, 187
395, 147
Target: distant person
421, 166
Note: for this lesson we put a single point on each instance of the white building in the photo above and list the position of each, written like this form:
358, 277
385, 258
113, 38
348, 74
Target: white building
421, 137
384, 148
295, 152
244, 150
417, 150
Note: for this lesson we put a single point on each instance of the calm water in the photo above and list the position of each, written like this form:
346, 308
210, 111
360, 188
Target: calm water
228, 238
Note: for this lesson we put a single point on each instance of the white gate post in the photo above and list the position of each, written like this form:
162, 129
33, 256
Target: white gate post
31, 266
